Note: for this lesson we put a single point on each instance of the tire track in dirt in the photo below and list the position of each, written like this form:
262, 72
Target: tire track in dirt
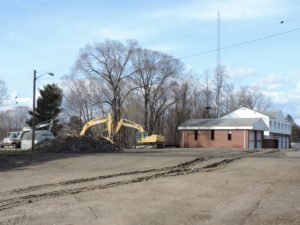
175, 171
16, 220
102, 177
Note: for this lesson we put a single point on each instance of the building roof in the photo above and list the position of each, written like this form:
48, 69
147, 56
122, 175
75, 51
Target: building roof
272, 114
244, 112
224, 123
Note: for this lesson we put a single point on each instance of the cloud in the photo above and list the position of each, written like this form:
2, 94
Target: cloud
24, 101
280, 89
120, 33
229, 9
271, 83
14, 101
165, 47
238, 72
283, 91
283, 96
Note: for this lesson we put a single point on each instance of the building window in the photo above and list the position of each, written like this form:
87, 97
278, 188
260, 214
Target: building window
278, 125
270, 124
196, 135
229, 135
274, 124
212, 135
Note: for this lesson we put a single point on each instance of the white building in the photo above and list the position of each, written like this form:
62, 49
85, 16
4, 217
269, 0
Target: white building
278, 134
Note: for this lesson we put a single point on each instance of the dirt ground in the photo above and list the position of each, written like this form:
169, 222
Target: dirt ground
151, 187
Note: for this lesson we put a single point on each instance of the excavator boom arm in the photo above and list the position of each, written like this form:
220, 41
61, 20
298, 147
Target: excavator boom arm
128, 123
92, 123
96, 121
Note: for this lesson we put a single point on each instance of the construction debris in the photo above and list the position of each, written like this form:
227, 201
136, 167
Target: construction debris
76, 144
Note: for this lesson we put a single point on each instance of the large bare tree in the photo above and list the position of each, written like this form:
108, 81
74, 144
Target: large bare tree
83, 98
153, 78
110, 61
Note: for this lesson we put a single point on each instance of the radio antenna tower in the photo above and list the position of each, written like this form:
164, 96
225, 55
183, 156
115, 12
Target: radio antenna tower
219, 43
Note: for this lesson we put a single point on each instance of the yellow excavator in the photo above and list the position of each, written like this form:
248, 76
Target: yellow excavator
96, 121
142, 138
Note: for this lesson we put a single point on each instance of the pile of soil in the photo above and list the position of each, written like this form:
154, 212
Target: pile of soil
76, 144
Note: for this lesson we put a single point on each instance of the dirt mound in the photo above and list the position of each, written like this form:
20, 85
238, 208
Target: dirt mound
76, 144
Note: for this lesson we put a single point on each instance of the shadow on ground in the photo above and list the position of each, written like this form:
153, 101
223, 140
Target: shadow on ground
19, 161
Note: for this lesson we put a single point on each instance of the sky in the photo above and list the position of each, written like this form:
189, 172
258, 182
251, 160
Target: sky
47, 35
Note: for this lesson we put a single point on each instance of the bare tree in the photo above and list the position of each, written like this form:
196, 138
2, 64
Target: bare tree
249, 97
229, 94
219, 82
83, 98
109, 60
153, 76
202, 97
178, 113
13, 119
252, 98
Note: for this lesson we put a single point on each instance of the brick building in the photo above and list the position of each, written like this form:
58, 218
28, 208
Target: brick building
278, 134
222, 133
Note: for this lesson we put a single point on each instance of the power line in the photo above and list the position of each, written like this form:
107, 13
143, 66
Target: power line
242, 43
207, 24
280, 23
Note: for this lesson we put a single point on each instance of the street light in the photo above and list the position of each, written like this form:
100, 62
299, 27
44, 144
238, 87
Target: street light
33, 105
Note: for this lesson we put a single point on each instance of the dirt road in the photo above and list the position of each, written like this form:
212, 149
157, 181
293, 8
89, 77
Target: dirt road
170, 186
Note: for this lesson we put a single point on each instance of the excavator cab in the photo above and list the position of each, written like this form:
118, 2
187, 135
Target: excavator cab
140, 135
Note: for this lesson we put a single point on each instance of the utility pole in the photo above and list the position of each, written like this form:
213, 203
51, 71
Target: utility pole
33, 106
33, 112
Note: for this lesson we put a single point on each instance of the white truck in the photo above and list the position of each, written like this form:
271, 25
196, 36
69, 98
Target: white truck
12, 140
15, 138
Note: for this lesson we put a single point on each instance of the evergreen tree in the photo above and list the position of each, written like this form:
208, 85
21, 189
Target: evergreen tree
48, 106
75, 124
295, 136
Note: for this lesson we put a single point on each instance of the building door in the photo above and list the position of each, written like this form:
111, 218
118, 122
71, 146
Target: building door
279, 142
259, 139
276, 143
251, 139
283, 142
